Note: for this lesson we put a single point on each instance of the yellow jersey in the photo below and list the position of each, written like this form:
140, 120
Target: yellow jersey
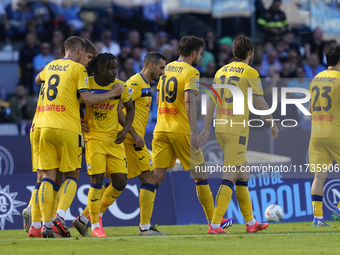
325, 104
140, 93
64, 80
243, 76
103, 117
38, 115
179, 77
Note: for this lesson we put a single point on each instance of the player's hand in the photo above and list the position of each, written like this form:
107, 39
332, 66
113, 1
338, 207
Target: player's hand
121, 136
118, 89
84, 128
275, 131
194, 142
203, 138
138, 140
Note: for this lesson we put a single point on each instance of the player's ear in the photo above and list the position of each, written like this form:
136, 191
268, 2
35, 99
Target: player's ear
194, 53
151, 65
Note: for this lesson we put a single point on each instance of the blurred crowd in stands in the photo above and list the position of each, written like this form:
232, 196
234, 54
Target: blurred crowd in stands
129, 33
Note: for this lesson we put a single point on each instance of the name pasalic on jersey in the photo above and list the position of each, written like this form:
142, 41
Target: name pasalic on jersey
57, 67
175, 69
166, 110
323, 117
51, 107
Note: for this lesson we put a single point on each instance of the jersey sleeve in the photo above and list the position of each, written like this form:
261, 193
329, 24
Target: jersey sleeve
42, 75
134, 90
82, 80
125, 96
159, 84
254, 82
192, 81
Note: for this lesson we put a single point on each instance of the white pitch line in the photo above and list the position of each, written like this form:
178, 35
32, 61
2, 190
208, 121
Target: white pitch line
168, 236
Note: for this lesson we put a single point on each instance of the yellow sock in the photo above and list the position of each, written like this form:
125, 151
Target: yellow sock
35, 208
87, 209
94, 198
109, 197
317, 205
46, 199
205, 197
243, 198
146, 200
56, 199
66, 195
222, 201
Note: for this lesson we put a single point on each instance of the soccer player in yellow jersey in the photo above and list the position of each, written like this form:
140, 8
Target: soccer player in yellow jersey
60, 138
174, 136
105, 154
90, 52
33, 216
324, 145
233, 139
137, 155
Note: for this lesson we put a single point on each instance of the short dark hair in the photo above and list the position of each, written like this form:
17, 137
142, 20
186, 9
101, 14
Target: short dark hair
241, 46
333, 56
153, 57
188, 44
89, 47
99, 61
73, 43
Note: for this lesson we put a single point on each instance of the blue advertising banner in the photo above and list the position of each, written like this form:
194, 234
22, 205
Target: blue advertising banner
176, 201
16, 190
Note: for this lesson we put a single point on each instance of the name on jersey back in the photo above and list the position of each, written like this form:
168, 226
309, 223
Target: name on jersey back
57, 67
174, 69
234, 69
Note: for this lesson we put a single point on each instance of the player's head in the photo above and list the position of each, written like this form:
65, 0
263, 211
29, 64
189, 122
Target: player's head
155, 62
104, 65
62, 49
75, 46
191, 46
243, 48
333, 56
90, 52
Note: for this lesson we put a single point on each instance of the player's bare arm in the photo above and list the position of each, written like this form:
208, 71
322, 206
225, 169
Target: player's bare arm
90, 99
204, 135
261, 104
130, 113
37, 79
190, 103
84, 127
121, 118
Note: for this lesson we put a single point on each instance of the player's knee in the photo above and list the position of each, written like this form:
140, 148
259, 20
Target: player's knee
243, 179
119, 180
97, 179
148, 177
121, 184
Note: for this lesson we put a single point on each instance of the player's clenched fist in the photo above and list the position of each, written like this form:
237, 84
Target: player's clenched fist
118, 89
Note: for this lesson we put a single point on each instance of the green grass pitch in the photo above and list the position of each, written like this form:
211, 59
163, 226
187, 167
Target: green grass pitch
280, 238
